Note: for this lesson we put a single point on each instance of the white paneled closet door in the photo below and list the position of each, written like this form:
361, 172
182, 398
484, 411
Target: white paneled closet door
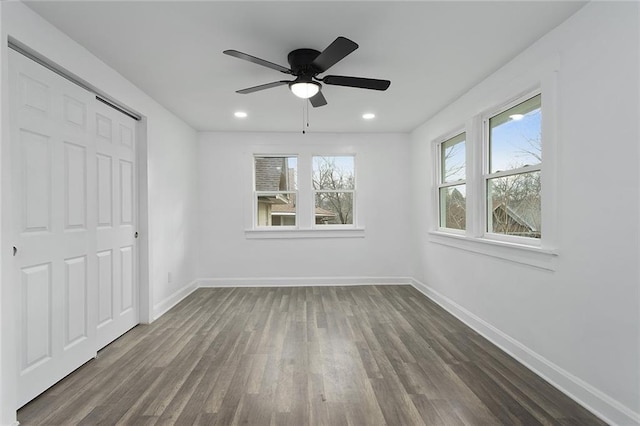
62, 263
52, 174
116, 219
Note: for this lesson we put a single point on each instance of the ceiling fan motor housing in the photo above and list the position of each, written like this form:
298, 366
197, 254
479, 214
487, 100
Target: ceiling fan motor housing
300, 61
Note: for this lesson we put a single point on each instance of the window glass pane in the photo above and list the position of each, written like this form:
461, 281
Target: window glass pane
334, 208
515, 137
276, 209
453, 159
514, 205
334, 172
276, 173
453, 207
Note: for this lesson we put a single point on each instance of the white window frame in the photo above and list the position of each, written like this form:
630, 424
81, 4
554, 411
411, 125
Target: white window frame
352, 191
257, 193
542, 253
487, 175
439, 142
305, 213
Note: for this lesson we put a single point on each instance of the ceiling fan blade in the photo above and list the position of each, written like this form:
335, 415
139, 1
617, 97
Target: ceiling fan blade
318, 100
335, 52
362, 83
258, 61
262, 87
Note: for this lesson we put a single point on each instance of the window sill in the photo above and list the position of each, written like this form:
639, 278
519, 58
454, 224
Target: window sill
518, 253
254, 234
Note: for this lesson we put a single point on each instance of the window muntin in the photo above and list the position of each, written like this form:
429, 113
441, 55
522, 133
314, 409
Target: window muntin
512, 184
452, 183
276, 190
334, 184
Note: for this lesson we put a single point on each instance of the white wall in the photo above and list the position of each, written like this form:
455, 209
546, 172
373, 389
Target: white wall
225, 183
172, 212
578, 325
171, 180
7, 410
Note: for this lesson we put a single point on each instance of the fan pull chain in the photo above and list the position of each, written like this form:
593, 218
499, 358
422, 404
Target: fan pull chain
305, 114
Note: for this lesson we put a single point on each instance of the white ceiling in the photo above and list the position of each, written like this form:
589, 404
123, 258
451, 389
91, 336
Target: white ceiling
432, 52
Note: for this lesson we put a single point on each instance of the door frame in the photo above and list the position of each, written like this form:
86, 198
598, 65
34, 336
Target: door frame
9, 294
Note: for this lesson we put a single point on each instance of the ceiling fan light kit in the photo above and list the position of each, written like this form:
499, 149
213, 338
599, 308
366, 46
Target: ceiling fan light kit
305, 65
304, 89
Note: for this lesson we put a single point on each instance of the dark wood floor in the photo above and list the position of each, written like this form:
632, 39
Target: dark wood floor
304, 356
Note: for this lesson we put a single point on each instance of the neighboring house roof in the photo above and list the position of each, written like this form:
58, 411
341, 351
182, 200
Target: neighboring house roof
274, 199
324, 213
521, 213
456, 210
271, 174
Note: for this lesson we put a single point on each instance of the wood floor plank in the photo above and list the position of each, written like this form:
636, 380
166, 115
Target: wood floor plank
358, 355
427, 410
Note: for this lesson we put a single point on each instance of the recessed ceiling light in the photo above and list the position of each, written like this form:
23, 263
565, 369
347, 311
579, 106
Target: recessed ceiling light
516, 117
240, 114
369, 116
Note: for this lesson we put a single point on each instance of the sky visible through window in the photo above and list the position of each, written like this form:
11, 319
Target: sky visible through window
292, 163
344, 163
454, 159
514, 144
517, 143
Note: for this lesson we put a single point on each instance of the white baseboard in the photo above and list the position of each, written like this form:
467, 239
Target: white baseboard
162, 307
600, 404
302, 282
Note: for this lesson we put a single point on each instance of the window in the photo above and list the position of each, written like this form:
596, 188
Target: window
506, 189
452, 184
275, 190
512, 172
319, 203
334, 187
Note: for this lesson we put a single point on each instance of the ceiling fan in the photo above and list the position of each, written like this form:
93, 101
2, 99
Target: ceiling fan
306, 64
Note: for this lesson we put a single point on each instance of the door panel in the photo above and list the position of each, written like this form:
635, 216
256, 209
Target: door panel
126, 136
33, 93
36, 315
126, 255
75, 188
36, 186
105, 280
126, 192
103, 127
76, 317
75, 112
104, 190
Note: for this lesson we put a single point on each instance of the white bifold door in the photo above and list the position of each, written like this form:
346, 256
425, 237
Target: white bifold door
73, 201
